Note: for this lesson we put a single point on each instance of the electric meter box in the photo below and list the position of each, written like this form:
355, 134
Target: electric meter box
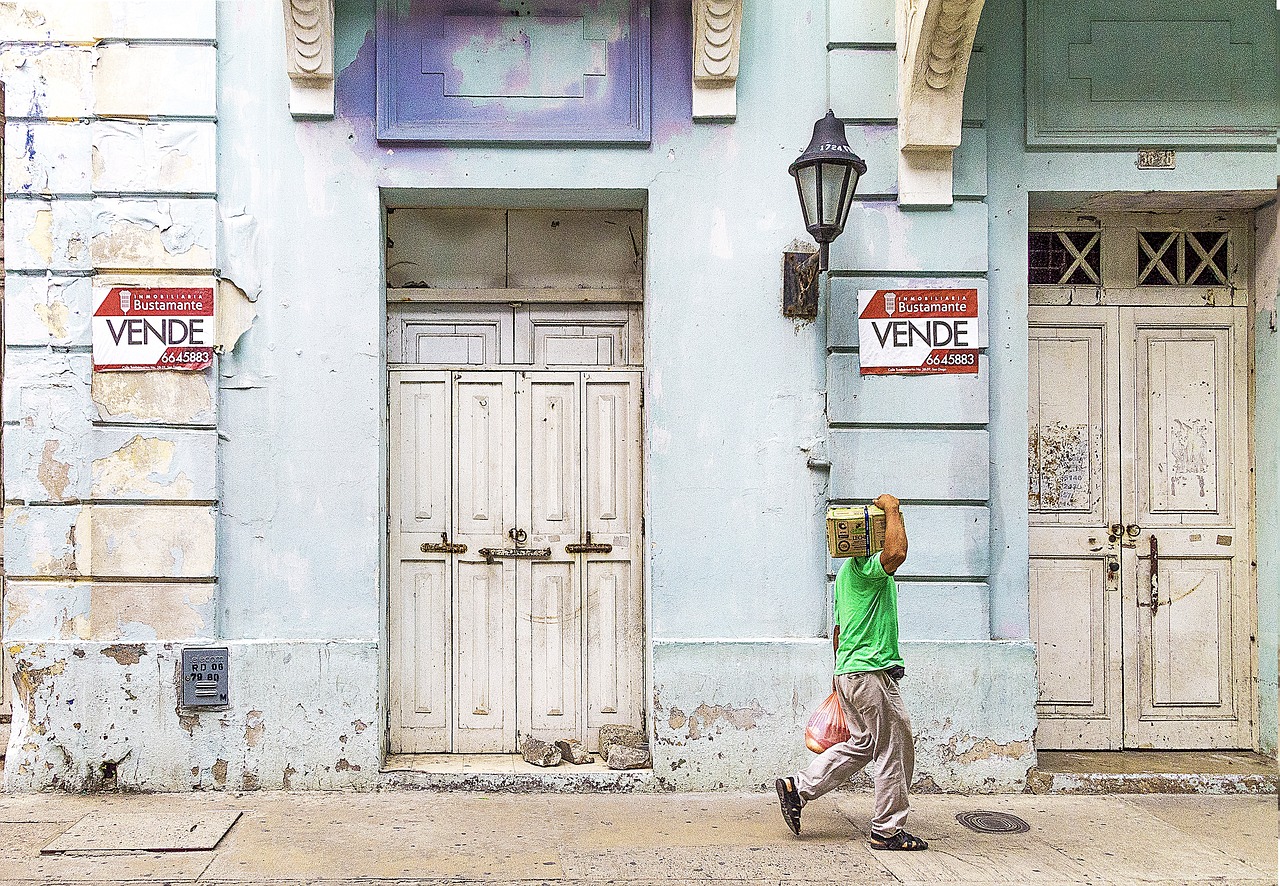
854, 531
205, 677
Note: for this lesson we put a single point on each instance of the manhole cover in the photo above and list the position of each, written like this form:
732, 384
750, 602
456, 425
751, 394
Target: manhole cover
993, 822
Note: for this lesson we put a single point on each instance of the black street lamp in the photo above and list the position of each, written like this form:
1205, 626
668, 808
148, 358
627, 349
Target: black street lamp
826, 176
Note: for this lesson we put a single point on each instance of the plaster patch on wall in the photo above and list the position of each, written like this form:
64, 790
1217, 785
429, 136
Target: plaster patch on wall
235, 315
131, 470
169, 397
54, 315
155, 234
241, 263
54, 475
162, 541
41, 235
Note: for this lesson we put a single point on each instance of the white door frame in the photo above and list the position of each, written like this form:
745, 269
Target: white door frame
1120, 251
525, 330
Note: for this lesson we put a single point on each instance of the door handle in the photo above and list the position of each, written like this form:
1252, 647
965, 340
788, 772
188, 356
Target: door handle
1113, 572
444, 546
1154, 587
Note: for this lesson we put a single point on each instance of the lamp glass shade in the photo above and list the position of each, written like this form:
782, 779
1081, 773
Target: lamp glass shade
826, 176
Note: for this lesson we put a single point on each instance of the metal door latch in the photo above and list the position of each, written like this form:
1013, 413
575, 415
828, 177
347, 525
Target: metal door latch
1113, 572
518, 536
444, 547
589, 547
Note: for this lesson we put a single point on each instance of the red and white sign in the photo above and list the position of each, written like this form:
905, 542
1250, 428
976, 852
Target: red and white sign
136, 327
919, 331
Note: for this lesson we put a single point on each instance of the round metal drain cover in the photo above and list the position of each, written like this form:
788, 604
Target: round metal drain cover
993, 822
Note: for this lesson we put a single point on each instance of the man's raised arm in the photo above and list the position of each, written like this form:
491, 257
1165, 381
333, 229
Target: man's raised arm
895, 534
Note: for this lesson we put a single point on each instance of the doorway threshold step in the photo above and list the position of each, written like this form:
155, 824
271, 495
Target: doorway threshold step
1153, 772
508, 773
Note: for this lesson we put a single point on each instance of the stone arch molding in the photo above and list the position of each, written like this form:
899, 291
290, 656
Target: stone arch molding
935, 40
308, 41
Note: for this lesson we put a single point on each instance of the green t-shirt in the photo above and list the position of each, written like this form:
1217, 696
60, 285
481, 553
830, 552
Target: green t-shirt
867, 612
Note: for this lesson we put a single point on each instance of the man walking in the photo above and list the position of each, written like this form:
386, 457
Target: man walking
868, 667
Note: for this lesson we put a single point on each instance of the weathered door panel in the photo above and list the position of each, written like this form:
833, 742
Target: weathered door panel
420, 654
1188, 667
1073, 499
549, 590
484, 444
613, 507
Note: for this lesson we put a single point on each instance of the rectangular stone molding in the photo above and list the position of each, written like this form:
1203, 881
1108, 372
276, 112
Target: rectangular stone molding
47, 158
958, 539
933, 611
41, 235
919, 399
86, 21
48, 311
879, 237
91, 541
48, 81
863, 83
308, 41
860, 21
1151, 75
924, 465
168, 157
109, 612
717, 36
184, 398
168, 234
137, 79
561, 71
160, 464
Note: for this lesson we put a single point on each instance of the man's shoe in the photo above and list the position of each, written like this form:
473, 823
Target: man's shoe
789, 800
899, 842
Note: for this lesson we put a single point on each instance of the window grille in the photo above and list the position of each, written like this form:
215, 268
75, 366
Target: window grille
1183, 258
1064, 258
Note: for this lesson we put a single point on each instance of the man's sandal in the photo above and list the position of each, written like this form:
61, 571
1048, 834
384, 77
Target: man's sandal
899, 842
789, 800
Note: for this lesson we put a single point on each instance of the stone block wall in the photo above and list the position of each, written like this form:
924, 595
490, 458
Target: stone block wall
110, 479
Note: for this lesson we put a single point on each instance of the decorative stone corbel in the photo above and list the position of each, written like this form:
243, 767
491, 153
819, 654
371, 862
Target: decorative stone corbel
935, 39
717, 36
308, 42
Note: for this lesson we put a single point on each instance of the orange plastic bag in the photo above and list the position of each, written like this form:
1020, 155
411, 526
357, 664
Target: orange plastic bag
826, 727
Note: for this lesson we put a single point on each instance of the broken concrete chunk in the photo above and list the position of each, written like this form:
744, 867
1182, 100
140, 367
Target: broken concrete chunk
573, 750
622, 757
540, 753
627, 736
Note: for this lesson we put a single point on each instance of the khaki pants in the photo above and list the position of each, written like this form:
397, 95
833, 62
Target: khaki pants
879, 733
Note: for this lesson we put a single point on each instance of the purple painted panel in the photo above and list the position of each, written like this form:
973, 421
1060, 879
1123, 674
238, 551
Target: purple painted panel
522, 71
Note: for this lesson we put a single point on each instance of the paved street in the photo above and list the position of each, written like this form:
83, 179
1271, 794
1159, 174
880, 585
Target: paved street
648, 838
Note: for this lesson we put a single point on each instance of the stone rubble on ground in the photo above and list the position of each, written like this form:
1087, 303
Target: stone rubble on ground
573, 751
540, 753
627, 736
623, 757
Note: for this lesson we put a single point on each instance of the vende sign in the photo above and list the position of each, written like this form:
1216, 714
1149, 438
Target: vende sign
136, 327
919, 331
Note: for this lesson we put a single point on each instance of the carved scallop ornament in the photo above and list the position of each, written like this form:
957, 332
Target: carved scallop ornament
717, 36
308, 40
935, 40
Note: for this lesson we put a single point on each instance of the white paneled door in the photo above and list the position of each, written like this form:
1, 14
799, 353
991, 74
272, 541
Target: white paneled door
1141, 602
516, 604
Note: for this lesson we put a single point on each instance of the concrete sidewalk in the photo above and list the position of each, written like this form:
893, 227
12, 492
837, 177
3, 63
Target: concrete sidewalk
649, 838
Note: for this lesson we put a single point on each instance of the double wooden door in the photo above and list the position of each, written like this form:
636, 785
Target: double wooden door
1141, 596
515, 590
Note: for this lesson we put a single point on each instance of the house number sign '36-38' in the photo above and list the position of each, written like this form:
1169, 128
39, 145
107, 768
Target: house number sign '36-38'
137, 328
919, 331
